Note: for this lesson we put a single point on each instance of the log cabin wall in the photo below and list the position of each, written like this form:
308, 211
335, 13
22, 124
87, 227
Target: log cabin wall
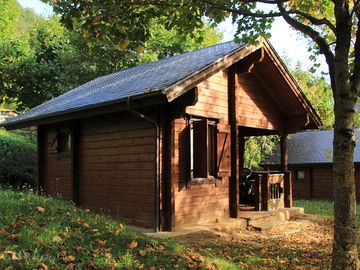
302, 183
318, 183
195, 202
57, 166
117, 167
255, 107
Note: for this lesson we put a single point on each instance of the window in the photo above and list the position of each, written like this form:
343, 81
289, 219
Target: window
63, 142
209, 149
300, 174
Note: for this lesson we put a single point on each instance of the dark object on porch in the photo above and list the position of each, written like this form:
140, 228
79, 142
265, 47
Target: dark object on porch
310, 161
161, 144
247, 187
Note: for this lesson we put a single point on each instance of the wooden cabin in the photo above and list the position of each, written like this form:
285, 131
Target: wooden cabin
161, 144
310, 161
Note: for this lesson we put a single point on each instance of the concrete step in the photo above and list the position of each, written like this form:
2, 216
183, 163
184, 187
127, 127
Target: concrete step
270, 220
270, 226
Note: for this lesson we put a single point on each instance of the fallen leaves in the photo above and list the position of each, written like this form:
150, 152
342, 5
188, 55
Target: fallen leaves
12, 254
57, 239
42, 266
133, 244
69, 259
40, 209
119, 229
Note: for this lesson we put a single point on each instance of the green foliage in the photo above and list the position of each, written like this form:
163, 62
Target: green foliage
45, 60
257, 149
319, 93
18, 159
9, 12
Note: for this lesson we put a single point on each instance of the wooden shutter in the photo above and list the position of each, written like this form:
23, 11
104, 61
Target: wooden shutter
223, 153
52, 142
199, 145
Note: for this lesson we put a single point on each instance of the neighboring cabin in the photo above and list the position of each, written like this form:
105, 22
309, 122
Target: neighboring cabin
162, 144
310, 160
6, 113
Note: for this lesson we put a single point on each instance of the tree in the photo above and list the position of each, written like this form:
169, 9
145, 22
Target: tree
332, 26
43, 59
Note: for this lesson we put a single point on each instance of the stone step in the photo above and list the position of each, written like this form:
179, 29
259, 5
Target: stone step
270, 226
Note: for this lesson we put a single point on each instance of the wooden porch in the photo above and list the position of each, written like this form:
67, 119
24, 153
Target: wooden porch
265, 191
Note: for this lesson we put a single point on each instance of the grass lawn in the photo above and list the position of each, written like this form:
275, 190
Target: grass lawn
45, 233
321, 208
37, 232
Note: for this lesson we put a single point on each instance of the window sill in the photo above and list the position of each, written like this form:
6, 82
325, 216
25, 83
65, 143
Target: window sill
204, 181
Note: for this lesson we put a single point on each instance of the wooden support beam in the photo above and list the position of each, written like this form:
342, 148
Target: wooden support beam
288, 189
265, 188
285, 170
41, 147
166, 183
241, 151
284, 153
75, 159
234, 178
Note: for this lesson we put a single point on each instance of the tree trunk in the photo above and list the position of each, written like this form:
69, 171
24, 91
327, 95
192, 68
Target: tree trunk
344, 254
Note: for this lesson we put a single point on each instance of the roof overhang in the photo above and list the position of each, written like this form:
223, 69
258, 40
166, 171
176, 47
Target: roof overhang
145, 100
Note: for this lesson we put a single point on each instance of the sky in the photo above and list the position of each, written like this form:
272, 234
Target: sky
287, 42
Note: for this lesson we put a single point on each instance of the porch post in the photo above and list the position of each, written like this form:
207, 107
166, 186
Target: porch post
241, 151
287, 173
284, 153
234, 180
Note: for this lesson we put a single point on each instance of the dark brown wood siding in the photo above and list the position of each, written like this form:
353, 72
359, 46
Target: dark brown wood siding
208, 201
302, 186
57, 168
319, 183
255, 107
117, 165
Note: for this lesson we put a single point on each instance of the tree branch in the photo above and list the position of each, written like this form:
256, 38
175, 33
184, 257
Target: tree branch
242, 11
315, 21
316, 37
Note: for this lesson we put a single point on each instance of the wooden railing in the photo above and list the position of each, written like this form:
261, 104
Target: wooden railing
272, 190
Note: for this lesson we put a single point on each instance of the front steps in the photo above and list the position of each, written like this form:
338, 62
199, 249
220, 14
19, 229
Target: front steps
269, 221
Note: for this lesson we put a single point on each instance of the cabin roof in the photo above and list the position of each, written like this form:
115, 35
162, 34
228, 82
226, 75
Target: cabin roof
311, 147
170, 78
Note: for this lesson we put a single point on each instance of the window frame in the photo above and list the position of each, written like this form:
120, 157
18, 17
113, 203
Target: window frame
63, 142
209, 152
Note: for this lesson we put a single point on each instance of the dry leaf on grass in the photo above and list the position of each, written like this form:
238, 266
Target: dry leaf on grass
13, 255
69, 259
40, 209
133, 244
142, 252
101, 242
57, 239
42, 266
119, 229
70, 266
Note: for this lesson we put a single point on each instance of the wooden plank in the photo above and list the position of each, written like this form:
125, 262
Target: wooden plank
234, 180
182, 86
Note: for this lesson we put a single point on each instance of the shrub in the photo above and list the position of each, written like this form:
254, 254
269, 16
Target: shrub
18, 159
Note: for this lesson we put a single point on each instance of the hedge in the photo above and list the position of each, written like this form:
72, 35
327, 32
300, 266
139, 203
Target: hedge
18, 159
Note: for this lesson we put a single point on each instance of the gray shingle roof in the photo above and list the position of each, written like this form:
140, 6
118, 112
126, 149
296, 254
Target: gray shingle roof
313, 147
148, 78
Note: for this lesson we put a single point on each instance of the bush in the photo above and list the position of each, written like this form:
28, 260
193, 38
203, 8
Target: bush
18, 159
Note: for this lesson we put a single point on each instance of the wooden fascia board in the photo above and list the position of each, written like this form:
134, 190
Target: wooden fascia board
121, 105
191, 81
291, 82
